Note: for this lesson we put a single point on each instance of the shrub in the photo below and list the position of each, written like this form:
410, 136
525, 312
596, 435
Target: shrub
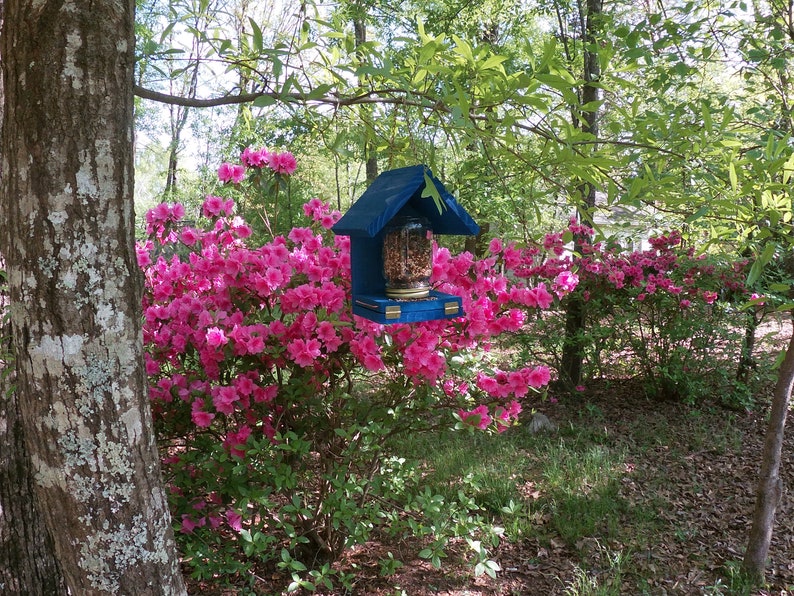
274, 404
664, 314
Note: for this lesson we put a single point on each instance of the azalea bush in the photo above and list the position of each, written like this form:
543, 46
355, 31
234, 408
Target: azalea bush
275, 405
665, 314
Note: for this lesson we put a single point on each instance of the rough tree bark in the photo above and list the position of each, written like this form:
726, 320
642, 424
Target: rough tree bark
770, 486
27, 555
75, 289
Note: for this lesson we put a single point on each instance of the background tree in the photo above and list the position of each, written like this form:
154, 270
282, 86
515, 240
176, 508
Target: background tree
584, 118
75, 293
767, 51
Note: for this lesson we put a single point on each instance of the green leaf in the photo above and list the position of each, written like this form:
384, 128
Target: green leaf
264, 101
430, 191
698, 214
733, 177
319, 92
760, 263
493, 62
166, 32
779, 287
256, 35
788, 169
463, 49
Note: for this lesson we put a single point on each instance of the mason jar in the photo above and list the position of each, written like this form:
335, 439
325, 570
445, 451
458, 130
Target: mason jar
408, 257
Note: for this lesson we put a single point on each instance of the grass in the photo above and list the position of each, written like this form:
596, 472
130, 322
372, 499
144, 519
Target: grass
604, 581
572, 479
564, 490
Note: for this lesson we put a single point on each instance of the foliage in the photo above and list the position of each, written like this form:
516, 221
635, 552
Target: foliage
281, 414
694, 121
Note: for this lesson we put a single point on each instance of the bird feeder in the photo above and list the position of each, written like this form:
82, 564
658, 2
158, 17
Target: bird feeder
391, 228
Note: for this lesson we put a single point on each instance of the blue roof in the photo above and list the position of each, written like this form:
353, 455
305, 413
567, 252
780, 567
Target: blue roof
399, 191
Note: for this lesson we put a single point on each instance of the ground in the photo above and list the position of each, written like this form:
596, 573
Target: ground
707, 502
693, 470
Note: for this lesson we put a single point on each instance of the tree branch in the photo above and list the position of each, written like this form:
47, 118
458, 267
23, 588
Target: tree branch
383, 96
195, 102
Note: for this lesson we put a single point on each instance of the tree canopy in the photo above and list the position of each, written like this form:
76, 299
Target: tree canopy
694, 115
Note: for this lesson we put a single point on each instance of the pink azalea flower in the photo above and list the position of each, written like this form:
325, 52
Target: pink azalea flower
487, 384
224, 399
329, 219
564, 283
265, 394
188, 525
233, 173
542, 296
235, 520
254, 158
282, 163
478, 417
303, 352
255, 345
235, 441
189, 236
212, 207
201, 418
142, 254
315, 209
327, 333
495, 246
538, 377
244, 385
216, 337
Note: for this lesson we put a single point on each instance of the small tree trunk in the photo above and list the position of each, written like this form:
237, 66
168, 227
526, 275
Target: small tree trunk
770, 486
573, 346
746, 360
587, 120
370, 154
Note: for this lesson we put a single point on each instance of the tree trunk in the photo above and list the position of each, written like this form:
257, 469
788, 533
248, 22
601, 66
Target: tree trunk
27, 554
27, 557
370, 153
587, 121
75, 292
746, 358
770, 486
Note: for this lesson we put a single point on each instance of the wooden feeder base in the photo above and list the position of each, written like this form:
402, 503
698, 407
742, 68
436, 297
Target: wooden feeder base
382, 309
